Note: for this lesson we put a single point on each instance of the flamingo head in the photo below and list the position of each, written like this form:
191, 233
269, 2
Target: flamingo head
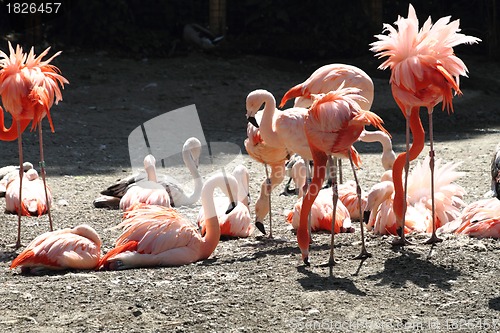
193, 146
254, 101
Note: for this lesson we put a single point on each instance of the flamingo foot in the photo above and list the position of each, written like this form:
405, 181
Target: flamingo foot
434, 239
400, 242
363, 255
306, 262
15, 246
259, 225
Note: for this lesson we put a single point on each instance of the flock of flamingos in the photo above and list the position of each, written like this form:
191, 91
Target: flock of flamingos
330, 112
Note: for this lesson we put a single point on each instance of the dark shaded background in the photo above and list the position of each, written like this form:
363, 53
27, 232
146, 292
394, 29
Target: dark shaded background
299, 30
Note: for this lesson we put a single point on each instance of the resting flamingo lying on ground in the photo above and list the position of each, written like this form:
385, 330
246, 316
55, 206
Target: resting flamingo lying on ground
479, 219
8, 172
35, 201
70, 248
334, 122
191, 151
160, 236
448, 199
29, 86
275, 157
148, 191
424, 72
321, 214
237, 222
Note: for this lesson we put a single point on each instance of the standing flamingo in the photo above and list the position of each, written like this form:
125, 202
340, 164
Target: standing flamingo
424, 72
160, 236
29, 86
328, 78
232, 212
282, 129
191, 151
334, 122
275, 157
35, 202
70, 248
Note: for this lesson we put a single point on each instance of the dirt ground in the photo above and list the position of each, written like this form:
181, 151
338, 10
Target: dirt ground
255, 284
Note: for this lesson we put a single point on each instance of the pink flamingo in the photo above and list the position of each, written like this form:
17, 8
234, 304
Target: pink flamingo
146, 191
328, 78
424, 72
160, 236
284, 130
275, 157
191, 151
480, 219
9, 172
334, 122
237, 222
321, 214
70, 248
29, 86
35, 202
380, 213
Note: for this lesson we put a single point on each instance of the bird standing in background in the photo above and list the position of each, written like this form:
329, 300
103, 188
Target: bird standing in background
29, 86
70, 248
424, 72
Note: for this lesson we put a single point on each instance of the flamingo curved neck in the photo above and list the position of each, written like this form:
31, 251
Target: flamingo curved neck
267, 130
151, 173
198, 182
212, 235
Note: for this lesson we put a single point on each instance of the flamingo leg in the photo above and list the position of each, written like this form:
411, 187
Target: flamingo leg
434, 238
341, 177
303, 237
401, 231
263, 202
21, 176
269, 188
306, 186
335, 198
364, 253
42, 171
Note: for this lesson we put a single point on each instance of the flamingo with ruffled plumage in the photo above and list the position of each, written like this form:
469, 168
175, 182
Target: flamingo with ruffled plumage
424, 72
29, 86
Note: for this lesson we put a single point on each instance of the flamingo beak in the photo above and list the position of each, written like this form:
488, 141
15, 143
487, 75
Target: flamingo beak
232, 206
260, 226
366, 216
253, 121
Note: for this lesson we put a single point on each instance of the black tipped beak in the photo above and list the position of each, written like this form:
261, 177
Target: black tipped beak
253, 121
366, 216
260, 226
232, 205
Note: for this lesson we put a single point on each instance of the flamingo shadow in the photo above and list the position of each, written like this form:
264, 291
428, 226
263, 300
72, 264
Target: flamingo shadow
494, 303
409, 267
315, 282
